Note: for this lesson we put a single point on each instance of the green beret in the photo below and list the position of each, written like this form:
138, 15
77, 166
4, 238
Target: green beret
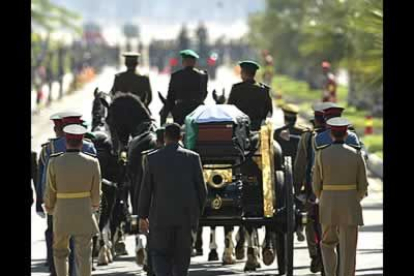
249, 64
189, 53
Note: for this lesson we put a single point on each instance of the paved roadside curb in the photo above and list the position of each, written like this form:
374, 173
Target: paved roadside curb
375, 165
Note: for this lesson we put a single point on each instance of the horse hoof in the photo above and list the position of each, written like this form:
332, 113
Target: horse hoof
120, 249
213, 256
268, 256
240, 252
250, 267
199, 252
140, 257
103, 257
228, 259
109, 254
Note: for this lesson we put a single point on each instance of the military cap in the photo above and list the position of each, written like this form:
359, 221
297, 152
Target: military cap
132, 55
290, 109
71, 117
338, 124
57, 119
74, 131
249, 64
333, 109
189, 53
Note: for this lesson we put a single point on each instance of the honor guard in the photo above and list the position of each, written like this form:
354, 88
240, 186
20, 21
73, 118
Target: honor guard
288, 136
130, 81
251, 97
188, 87
339, 183
54, 146
72, 194
324, 138
302, 177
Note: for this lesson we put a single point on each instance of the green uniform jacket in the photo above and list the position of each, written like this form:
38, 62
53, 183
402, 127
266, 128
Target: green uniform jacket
253, 99
139, 85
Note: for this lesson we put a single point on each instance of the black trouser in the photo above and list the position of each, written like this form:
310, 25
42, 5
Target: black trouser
49, 246
170, 250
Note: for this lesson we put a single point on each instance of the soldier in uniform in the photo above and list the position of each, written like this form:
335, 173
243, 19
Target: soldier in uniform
187, 89
251, 97
329, 83
34, 175
303, 185
339, 183
324, 138
288, 136
51, 147
72, 194
172, 198
129, 81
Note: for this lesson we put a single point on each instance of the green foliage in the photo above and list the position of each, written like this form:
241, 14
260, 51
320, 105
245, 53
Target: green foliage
300, 34
49, 16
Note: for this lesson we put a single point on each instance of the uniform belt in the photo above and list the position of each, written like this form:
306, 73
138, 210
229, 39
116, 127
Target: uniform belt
339, 187
73, 195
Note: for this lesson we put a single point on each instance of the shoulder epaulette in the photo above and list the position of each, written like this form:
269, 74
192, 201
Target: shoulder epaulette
321, 147
45, 144
56, 154
264, 86
149, 152
90, 154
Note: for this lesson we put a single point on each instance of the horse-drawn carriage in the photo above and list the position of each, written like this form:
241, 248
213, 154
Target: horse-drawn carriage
249, 183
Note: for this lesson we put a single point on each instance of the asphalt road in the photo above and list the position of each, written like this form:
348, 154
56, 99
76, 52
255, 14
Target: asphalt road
370, 241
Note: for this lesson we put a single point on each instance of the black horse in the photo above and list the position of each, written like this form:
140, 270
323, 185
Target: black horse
132, 132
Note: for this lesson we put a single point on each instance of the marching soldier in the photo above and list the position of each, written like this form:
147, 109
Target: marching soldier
129, 81
188, 87
251, 97
51, 147
339, 183
34, 175
288, 136
302, 177
324, 138
72, 194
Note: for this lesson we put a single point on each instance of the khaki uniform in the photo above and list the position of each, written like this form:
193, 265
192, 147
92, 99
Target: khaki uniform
72, 190
301, 166
340, 183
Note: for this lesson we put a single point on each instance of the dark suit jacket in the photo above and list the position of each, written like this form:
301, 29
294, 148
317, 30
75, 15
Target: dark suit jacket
173, 191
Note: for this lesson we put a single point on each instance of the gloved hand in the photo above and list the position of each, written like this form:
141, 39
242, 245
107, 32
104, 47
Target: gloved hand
39, 209
41, 214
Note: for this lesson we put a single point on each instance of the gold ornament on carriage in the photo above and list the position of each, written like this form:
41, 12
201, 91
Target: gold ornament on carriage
216, 203
217, 176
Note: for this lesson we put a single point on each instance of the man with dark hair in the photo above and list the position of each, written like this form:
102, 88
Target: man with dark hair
251, 97
172, 198
339, 183
188, 87
129, 81
72, 193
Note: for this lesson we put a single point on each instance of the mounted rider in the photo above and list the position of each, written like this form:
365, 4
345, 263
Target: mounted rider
250, 96
130, 81
188, 87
